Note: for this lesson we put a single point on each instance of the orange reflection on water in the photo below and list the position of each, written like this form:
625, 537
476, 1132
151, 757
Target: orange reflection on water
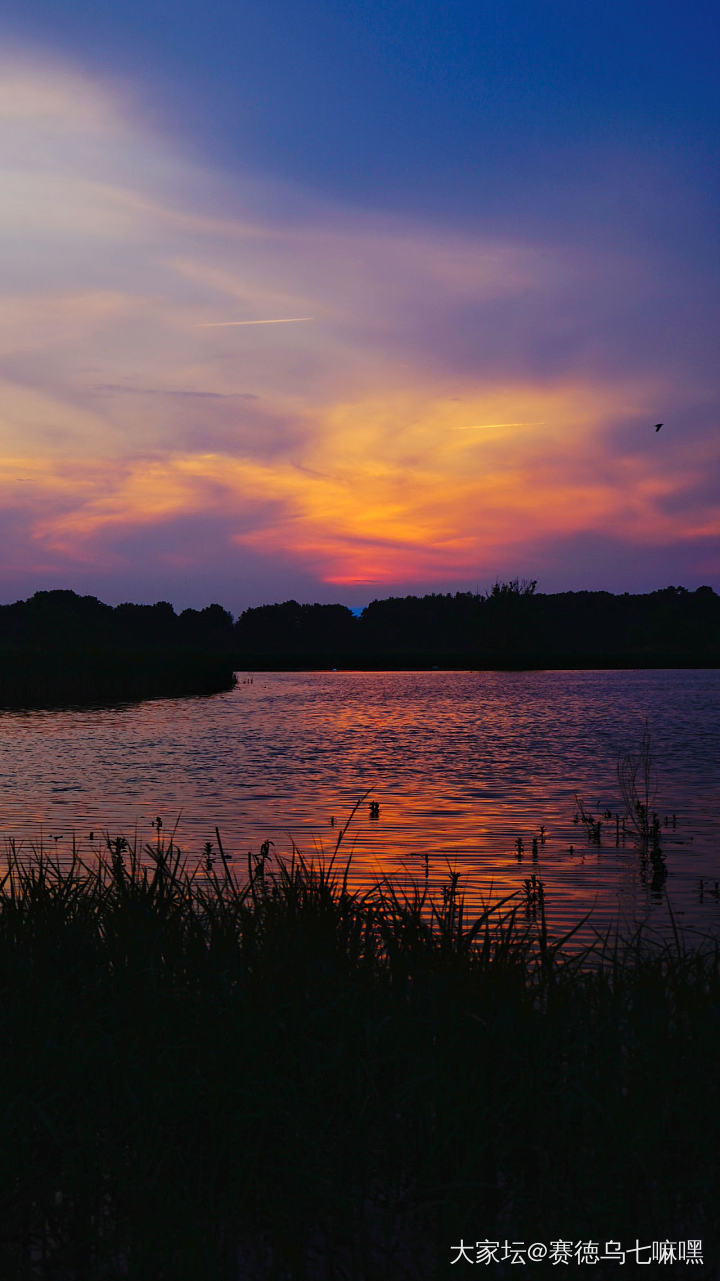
461, 765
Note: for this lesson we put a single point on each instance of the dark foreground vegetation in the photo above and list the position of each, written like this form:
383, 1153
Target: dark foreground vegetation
59, 646
272, 1076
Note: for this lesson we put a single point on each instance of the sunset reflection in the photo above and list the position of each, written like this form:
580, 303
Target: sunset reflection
461, 765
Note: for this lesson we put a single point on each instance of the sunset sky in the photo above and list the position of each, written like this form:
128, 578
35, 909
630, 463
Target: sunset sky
341, 300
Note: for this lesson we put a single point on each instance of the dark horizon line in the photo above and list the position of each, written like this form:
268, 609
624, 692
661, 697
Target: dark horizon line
357, 610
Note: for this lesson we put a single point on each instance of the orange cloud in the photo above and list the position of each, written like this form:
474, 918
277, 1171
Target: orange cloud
398, 487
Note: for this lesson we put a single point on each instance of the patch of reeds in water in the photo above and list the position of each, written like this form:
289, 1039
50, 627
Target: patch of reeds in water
276, 1076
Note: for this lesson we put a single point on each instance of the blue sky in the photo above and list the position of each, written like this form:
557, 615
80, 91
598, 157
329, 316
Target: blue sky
490, 232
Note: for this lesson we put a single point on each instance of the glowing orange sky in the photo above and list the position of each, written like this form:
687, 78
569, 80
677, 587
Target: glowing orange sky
399, 428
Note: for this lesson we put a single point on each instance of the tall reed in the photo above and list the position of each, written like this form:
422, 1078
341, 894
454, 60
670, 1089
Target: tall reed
274, 1075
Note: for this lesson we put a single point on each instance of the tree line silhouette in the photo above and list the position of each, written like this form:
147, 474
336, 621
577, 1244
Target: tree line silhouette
512, 625
59, 648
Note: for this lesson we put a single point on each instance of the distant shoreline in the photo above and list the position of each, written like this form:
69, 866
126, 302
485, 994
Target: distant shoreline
466, 663
59, 648
46, 680
53, 681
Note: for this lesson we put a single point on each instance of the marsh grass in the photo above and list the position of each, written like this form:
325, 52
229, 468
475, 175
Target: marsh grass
274, 1075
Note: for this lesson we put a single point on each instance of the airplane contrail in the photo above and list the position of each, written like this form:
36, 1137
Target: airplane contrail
482, 426
227, 324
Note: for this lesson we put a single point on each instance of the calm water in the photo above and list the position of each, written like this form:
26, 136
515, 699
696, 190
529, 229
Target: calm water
461, 763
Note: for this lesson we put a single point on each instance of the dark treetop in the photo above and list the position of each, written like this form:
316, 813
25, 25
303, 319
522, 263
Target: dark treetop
510, 626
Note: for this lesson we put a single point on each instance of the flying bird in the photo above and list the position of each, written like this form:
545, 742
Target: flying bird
658, 426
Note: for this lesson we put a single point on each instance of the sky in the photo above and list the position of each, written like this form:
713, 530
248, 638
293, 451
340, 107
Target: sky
338, 301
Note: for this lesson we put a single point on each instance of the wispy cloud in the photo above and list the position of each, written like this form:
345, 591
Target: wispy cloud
181, 392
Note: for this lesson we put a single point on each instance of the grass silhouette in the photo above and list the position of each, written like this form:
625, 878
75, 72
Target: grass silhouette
273, 1075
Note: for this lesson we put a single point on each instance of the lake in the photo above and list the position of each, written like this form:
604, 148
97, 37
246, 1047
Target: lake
461, 764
